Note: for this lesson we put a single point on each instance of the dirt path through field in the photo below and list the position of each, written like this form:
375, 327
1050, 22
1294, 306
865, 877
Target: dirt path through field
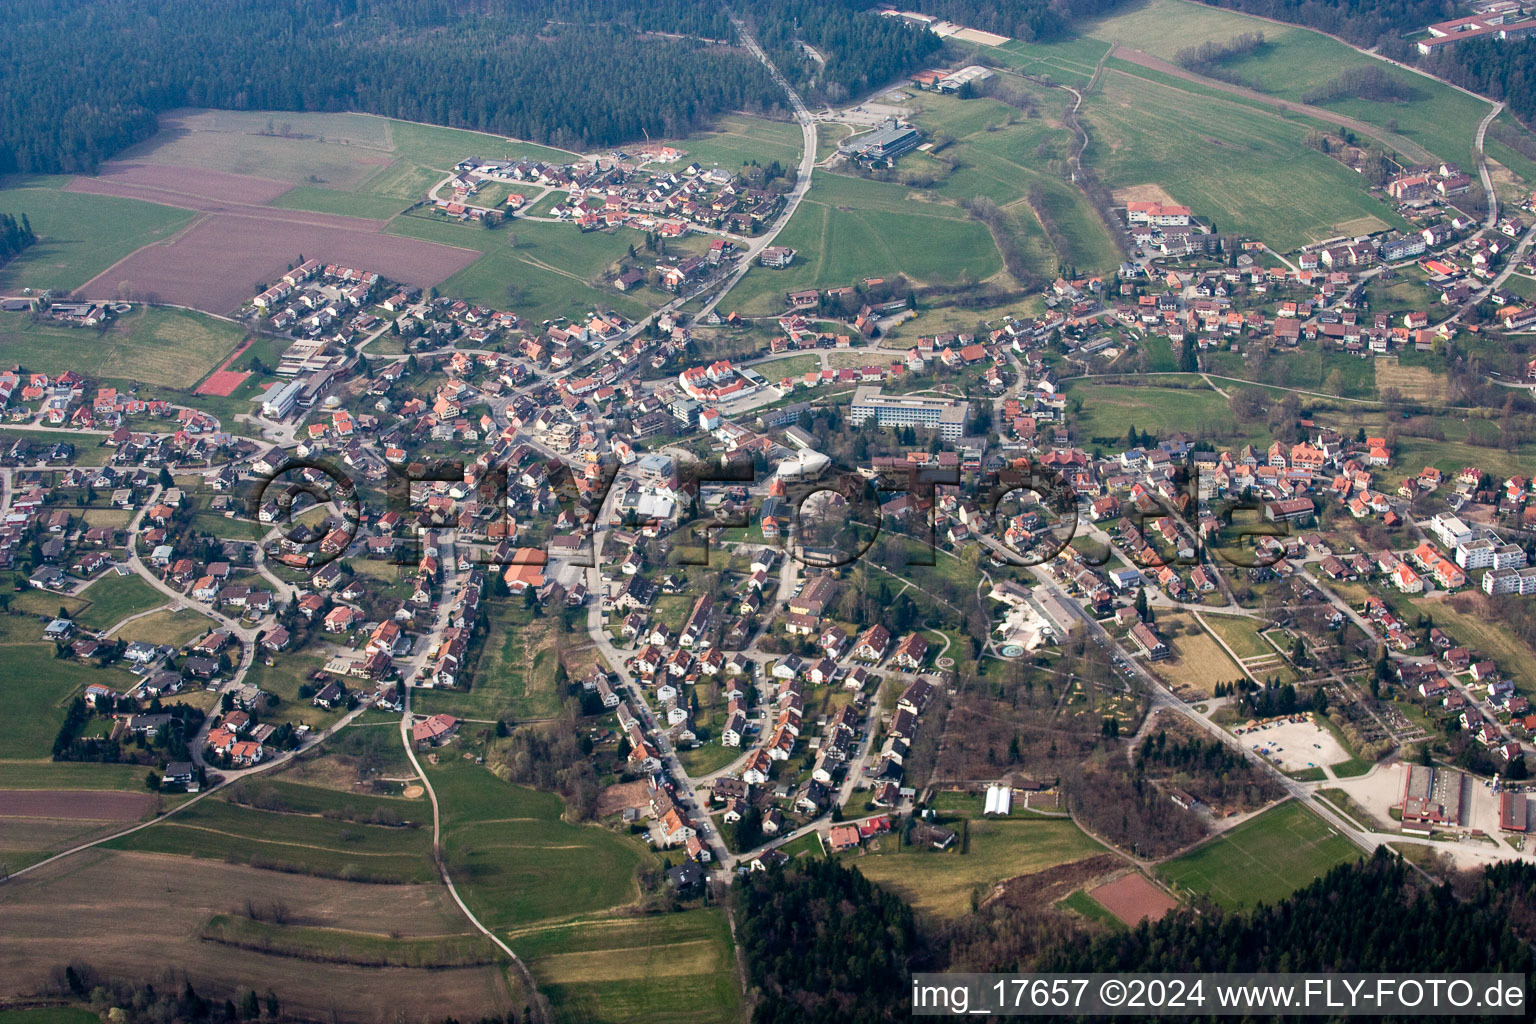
1412, 150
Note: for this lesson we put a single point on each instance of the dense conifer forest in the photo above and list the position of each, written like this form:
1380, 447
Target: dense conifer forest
82, 79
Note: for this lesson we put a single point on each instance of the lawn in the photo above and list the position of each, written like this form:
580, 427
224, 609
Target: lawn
302, 843
1109, 410
1241, 635
1270, 185
676, 967
113, 598
79, 235
517, 863
167, 627
175, 348
847, 229
283, 678
942, 882
38, 689
1263, 860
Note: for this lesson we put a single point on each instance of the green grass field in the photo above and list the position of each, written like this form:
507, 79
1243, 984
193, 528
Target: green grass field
1270, 185
114, 598
49, 1015
739, 139
347, 204
1085, 906
167, 627
541, 270
517, 863
1109, 410
1067, 61
1262, 860
79, 235
1240, 634
941, 882
674, 967
510, 681
848, 229
1296, 60
38, 689
301, 843
174, 348
37, 774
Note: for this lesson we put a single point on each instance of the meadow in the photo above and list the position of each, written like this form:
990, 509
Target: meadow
1294, 61
1109, 410
1263, 860
541, 270
517, 863
293, 843
177, 628
515, 676
174, 348
674, 967
1243, 168
38, 690
79, 235
113, 598
847, 229
738, 139
1067, 61
943, 882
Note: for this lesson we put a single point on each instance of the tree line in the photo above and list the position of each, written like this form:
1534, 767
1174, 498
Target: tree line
15, 235
1362, 22
1030, 20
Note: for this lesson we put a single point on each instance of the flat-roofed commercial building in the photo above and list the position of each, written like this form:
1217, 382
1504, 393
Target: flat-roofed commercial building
945, 415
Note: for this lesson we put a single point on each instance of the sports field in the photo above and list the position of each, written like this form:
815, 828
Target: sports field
1262, 860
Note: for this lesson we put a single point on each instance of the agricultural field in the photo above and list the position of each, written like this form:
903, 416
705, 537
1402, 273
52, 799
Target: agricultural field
1270, 185
113, 598
1294, 61
39, 824
539, 873
1262, 860
183, 895
291, 842
847, 229
942, 882
79, 235
675, 967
